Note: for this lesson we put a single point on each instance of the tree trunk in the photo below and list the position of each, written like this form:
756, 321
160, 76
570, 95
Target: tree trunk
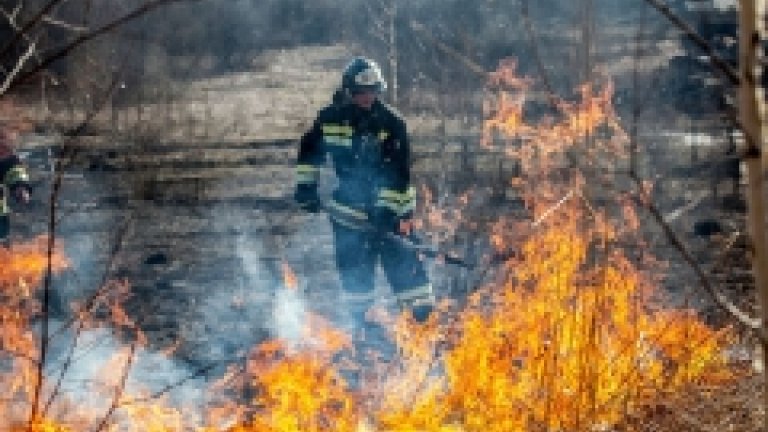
749, 113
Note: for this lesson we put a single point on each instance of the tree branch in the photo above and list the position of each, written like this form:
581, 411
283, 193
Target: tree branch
11, 17
9, 79
81, 323
57, 23
48, 281
119, 390
442, 46
67, 49
25, 29
720, 299
198, 373
91, 301
532, 40
718, 62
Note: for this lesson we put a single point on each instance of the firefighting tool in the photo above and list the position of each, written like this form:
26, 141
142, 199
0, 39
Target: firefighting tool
411, 241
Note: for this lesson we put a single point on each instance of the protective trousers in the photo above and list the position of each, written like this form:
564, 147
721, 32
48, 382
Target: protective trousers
5, 229
357, 253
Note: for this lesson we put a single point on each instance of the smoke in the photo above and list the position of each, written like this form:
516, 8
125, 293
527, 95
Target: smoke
288, 310
264, 273
95, 363
289, 316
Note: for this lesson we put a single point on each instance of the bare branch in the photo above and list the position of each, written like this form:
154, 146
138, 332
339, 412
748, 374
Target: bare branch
68, 361
466, 61
52, 225
81, 323
532, 39
57, 23
196, 374
28, 26
11, 17
119, 390
99, 292
67, 49
720, 299
17, 10
718, 62
9, 79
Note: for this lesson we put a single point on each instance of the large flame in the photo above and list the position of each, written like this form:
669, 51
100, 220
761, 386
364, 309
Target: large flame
21, 271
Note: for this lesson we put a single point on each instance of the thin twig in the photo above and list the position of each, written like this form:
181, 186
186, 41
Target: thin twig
69, 360
11, 18
196, 374
28, 26
91, 301
64, 25
717, 61
48, 281
9, 79
533, 42
453, 52
67, 49
119, 389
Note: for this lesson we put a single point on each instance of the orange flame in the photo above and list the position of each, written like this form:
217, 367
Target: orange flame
289, 277
21, 272
301, 390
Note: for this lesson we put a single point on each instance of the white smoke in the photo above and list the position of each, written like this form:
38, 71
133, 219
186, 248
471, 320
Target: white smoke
94, 369
264, 273
289, 316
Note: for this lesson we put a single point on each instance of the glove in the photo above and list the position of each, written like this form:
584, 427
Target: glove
307, 198
21, 193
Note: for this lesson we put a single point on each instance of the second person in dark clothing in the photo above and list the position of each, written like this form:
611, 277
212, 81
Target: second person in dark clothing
14, 182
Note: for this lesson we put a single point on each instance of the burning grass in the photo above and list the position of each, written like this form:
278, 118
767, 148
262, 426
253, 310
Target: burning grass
562, 344
571, 335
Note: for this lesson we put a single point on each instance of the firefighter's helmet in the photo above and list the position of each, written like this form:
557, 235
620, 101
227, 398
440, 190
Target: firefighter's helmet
363, 74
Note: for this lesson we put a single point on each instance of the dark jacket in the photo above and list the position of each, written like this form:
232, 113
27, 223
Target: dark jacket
371, 157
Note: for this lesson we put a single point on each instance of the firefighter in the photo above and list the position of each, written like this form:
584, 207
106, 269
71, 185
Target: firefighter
14, 182
368, 144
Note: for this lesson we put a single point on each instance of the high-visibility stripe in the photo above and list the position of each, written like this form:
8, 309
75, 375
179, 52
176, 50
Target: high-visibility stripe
337, 129
398, 197
15, 175
333, 140
307, 174
345, 222
383, 135
398, 209
358, 297
416, 295
400, 203
347, 216
347, 211
4, 209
